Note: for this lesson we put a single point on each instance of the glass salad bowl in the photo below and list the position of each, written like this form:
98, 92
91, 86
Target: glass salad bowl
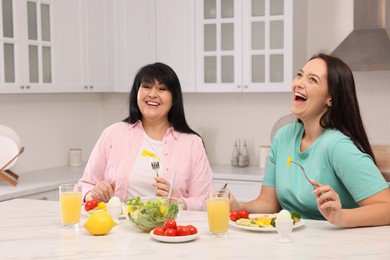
149, 212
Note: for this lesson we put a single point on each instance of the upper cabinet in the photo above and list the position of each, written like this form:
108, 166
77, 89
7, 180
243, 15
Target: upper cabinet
155, 31
52, 46
98, 45
244, 45
27, 58
175, 39
135, 39
85, 44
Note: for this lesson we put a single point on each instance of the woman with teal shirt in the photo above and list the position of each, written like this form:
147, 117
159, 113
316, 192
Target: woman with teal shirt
330, 142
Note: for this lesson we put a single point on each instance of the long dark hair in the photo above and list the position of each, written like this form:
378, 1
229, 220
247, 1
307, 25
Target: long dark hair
166, 75
344, 114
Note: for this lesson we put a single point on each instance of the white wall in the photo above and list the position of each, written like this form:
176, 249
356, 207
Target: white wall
50, 124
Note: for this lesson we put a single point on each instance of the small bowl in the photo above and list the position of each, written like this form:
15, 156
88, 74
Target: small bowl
149, 212
114, 210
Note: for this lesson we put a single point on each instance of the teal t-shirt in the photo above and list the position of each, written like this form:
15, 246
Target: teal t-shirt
332, 159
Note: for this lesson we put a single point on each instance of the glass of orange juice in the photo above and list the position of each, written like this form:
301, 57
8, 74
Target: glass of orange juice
218, 210
70, 200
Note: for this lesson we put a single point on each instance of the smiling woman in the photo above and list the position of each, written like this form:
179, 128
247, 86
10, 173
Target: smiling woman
329, 142
120, 163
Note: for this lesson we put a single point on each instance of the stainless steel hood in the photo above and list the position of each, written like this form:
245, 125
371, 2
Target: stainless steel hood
367, 47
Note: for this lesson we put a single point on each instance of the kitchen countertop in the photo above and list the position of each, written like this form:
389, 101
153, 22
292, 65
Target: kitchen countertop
31, 229
49, 179
40, 181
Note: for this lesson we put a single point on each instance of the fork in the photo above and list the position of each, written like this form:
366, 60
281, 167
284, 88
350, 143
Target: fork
155, 166
289, 161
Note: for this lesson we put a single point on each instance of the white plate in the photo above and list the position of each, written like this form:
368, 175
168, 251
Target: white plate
175, 239
8, 132
262, 229
8, 151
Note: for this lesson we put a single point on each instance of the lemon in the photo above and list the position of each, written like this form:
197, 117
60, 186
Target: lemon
102, 206
99, 223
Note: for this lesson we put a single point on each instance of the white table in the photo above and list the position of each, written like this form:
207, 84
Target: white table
31, 229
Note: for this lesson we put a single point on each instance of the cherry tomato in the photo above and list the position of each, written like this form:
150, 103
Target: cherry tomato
159, 231
183, 231
88, 205
244, 213
170, 232
170, 223
193, 230
95, 203
234, 215
179, 228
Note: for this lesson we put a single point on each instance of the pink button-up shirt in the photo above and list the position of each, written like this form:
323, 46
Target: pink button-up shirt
115, 152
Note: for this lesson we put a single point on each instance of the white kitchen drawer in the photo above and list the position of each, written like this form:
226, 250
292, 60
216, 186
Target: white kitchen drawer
47, 195
241, 190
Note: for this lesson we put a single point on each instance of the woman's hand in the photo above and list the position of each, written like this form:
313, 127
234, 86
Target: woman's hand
234, 203
328, 202
103, 191
162, 187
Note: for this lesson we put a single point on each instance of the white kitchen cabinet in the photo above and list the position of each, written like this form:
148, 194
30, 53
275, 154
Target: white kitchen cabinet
28, 52
175, 39
155, 31
135, 40
98, 43
86, 46
244, 182
241, 190
244, 45
56, 46
47, 195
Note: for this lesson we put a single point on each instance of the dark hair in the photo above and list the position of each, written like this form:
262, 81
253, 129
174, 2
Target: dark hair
166, 75
344, 114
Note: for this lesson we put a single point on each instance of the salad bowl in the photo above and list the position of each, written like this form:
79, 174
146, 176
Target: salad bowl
149, 212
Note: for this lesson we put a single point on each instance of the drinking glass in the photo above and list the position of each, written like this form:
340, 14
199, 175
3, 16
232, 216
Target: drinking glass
218, 210
70, 200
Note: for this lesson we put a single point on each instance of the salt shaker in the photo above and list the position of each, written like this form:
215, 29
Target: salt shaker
243, 159
235, 155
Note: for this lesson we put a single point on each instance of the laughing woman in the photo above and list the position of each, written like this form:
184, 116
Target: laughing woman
330, 142
155, 132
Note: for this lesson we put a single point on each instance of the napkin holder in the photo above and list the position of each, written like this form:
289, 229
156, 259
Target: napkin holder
8, 175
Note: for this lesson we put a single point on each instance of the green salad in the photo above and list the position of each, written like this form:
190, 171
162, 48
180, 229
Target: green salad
147, 215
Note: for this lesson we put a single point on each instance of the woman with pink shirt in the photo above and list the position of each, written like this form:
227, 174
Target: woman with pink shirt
155, 131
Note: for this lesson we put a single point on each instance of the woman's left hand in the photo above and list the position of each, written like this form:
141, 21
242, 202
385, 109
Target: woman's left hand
162, 187
328, 202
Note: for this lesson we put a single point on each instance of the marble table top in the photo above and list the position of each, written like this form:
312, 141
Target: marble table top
31, 229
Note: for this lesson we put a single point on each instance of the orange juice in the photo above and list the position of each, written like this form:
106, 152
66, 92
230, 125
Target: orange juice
70, 207
218, 210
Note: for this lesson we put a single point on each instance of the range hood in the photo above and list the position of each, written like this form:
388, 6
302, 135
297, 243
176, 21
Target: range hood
367, 47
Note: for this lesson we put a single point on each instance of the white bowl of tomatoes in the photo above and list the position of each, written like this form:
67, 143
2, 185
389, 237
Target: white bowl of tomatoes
172, 232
